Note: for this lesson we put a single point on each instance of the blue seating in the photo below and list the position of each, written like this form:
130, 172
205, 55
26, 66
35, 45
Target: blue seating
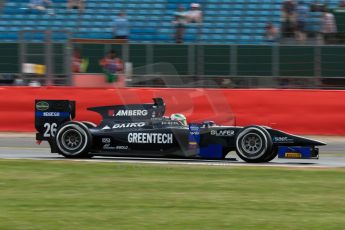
225, 21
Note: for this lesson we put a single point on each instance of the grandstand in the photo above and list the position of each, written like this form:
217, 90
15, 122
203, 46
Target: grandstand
225, 21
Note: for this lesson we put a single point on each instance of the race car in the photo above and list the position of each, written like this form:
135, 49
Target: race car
143, 130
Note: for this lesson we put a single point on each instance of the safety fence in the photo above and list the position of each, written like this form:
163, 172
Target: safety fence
188, 65
296, 111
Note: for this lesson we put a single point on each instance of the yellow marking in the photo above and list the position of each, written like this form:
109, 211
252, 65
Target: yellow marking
293, 155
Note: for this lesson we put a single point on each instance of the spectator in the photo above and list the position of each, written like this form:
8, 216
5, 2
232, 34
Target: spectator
180, 24
40, 5
342, 4
272, 33
195, 14
2, 3
288, 11
76, 4
76, 61
79, 64
328, 26
302, 14
121, 26
111, 66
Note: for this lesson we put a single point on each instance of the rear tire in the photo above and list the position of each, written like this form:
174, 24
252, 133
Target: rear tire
73, 140
254, 144
89, 124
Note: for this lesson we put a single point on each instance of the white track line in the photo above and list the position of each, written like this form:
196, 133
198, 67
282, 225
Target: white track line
167, 162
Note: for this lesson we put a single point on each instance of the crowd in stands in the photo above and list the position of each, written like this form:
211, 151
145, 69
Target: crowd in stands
121, 27
76, 4
40, 5
294, 20
183, 18
47, 5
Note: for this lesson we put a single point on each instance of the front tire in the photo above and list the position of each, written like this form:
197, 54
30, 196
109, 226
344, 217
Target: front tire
74, 140
272, 155
254, 144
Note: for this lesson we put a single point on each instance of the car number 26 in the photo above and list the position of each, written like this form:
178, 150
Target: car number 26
50, 129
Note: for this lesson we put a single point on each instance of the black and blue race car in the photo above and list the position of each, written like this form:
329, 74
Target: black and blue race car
143, 130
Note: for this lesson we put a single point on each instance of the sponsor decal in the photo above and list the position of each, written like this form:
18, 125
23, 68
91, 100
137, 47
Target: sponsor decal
129, 125
194, 137
293, 155
194, 130
171, 123
121, 147
223, 133
106, 127
283, 140
150, 138
108, 147
194, 133
42, 106
52, 114
106, 140
123, 113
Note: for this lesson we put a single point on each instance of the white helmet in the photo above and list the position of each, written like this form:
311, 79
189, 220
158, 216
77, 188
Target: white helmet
179, 117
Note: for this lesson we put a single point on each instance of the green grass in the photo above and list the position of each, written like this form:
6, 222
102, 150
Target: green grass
79, 195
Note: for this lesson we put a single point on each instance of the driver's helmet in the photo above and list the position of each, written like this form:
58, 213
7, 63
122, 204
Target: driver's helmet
179, 117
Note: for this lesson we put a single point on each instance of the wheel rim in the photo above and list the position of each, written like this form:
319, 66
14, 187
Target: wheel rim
71, 140
252, 144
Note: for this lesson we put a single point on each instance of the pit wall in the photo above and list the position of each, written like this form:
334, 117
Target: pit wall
297, 111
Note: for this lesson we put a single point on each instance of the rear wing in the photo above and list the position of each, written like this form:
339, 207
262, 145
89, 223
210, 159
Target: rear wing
131, 112
49, 115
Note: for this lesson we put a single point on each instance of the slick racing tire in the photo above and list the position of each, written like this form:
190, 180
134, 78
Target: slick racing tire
74, 140
254, 144
272, 155
89, 125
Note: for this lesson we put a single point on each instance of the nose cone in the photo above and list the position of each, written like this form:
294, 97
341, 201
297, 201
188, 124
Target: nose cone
308, 141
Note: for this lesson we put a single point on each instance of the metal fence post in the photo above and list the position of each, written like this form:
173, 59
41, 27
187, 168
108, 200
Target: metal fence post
317, 64
125, 52
149, 59
275, 60
191, 59
200, 60
48, 57
275, 65
233, 60
22, 52
68, 60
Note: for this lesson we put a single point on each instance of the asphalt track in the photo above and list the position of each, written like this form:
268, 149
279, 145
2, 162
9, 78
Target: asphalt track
22, 146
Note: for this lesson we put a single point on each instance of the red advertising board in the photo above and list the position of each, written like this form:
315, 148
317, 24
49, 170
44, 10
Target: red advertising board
320, 112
